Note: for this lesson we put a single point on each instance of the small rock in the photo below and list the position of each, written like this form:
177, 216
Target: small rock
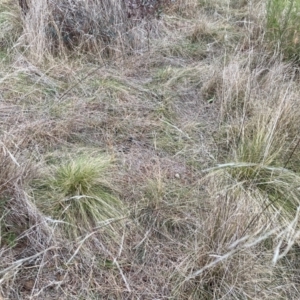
177, 176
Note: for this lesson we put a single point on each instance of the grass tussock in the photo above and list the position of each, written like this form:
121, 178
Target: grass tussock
78, 193
195, 105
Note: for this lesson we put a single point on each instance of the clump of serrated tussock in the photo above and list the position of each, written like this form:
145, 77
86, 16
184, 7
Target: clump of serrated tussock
78, 193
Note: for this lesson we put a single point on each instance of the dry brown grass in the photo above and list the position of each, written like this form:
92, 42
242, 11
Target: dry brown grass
201, 123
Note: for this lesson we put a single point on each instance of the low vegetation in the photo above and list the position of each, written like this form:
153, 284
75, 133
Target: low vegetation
149, 150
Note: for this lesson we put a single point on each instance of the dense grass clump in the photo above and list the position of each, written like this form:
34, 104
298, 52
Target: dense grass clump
78, 193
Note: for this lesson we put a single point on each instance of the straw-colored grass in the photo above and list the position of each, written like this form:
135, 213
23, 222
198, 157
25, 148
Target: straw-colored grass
149, 150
